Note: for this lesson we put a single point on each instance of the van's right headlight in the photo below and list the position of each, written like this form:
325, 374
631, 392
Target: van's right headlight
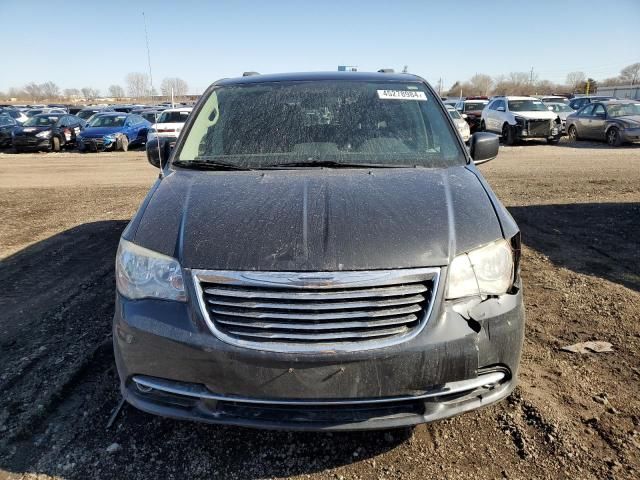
488, 270
143, 273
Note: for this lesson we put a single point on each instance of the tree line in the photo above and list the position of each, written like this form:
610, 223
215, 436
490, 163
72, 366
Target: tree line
138, 86
527, 83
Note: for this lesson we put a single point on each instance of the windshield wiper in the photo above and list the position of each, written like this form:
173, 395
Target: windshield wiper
208, 165
333, 164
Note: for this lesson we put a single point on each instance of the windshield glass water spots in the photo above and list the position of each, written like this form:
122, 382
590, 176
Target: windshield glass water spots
265, 124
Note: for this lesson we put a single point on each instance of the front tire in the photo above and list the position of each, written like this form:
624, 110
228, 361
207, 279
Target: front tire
55, 144
613, 137
573, 133
508, 135
483, 127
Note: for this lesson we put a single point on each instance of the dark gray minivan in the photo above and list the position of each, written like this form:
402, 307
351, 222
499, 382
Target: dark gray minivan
319, 252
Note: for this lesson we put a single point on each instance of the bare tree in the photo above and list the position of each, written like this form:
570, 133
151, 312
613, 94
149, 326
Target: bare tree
137, 84
454, 91
90, 93
50, 90
33, 91
481, 84
71, 92
575, 79
179, 86
631, 73
116, 91
17, 93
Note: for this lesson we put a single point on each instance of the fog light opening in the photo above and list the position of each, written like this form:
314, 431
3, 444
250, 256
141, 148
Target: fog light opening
143, 388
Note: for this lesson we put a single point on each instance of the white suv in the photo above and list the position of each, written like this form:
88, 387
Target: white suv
520, 117
169, 123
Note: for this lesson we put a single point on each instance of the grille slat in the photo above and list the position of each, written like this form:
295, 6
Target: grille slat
295, 294
387, 302
317, 316
355, 334
320, 326
289, 311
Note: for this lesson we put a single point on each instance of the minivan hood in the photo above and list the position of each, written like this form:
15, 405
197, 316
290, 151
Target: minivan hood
317, 219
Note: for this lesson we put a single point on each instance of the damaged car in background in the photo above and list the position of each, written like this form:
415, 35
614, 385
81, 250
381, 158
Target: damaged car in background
319, 252
520, 118
113, 131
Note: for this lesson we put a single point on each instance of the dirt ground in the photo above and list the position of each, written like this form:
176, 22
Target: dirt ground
572, 416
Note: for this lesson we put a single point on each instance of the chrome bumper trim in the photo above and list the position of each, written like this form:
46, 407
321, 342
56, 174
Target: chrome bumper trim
148, 384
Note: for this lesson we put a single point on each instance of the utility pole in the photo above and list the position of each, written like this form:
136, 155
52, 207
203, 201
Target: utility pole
531, 77
440, 87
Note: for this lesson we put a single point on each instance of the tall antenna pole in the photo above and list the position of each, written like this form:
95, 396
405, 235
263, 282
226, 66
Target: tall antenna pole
146, 36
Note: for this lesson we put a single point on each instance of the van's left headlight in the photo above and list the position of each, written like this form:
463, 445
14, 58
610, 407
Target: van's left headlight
488, 270
143, 273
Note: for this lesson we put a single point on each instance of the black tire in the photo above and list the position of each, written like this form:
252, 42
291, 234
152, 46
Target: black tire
18, 150
613, 137
508, 135
553, 141
55, 144
483, 127
573, 133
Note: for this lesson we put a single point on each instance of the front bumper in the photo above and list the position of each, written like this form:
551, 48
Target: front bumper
166, 346
630, 134
95, 144
31, 143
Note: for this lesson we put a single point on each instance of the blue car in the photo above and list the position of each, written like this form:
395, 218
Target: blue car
113, 131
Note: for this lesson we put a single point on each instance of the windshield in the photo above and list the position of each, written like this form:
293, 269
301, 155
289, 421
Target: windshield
526, 106
473, 106
266, 124
560, 107
454, 113
173, 117
6, 120
41, 121
84, 114
623, 109
108, 121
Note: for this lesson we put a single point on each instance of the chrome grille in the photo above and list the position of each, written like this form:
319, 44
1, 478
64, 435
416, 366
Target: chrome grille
294, 311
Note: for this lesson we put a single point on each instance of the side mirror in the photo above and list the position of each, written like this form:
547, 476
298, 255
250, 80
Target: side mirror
158, 152
500, 109
483, 147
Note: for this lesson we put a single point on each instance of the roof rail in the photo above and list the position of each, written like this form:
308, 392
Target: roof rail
386, 70
249, 74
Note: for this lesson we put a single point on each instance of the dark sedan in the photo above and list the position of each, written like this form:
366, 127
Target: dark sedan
47, 131
616, 121
7, 124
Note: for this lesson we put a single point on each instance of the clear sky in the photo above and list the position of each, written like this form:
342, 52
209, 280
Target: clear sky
96, 43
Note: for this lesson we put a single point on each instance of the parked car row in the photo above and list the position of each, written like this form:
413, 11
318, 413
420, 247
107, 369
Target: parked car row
95, 128
516, 118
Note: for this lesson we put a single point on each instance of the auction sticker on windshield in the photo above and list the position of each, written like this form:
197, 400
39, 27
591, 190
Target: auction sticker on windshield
401, 95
